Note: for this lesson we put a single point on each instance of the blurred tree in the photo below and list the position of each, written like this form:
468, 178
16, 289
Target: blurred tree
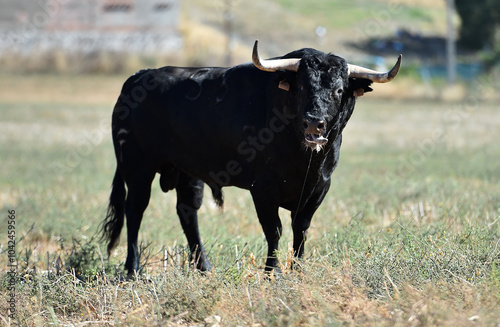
480, 20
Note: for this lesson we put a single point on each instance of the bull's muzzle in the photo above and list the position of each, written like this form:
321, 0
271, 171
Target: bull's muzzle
313, 133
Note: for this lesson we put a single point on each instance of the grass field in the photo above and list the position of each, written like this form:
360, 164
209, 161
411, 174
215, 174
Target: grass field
409, 234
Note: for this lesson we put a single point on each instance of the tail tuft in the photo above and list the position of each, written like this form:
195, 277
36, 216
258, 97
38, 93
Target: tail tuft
217, 194
113, 223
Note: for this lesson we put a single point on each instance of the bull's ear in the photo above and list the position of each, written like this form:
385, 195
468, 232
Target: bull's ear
359, 86
284, 85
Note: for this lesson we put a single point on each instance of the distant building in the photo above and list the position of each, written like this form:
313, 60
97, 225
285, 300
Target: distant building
114, 15
91, 25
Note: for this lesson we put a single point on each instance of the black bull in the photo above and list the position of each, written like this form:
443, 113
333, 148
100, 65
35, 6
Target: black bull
273, 127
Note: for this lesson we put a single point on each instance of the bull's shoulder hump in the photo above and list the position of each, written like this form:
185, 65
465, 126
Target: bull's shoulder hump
188, 72
170, 75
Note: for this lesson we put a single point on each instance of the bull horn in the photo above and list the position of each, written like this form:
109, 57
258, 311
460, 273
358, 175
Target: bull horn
272, 65
372, 75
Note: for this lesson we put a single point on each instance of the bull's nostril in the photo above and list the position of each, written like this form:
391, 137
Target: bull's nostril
306, 125
321, 125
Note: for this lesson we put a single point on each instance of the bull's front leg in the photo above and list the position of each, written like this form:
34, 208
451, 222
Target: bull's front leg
302, 220
267, 211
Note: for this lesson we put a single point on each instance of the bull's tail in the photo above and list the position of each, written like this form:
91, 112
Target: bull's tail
113, 223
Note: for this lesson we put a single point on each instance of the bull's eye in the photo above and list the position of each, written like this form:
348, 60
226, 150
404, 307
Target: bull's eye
337, 93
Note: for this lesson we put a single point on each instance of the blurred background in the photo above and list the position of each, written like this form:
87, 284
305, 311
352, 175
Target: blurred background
439, 39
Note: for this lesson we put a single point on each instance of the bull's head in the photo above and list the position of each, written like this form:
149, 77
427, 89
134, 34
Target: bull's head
323, 85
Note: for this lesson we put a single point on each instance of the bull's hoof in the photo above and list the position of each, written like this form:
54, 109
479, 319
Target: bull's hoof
201, 262
273, 275
133, 273
273, 272
204, 266
296, 265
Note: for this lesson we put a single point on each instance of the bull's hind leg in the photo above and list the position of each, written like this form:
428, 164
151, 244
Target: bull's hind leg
189, 199
139, 192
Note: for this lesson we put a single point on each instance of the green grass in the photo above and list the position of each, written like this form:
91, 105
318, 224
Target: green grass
333, 14
408, 234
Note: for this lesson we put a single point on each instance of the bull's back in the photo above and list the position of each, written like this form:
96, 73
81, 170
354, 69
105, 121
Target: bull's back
190, 118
